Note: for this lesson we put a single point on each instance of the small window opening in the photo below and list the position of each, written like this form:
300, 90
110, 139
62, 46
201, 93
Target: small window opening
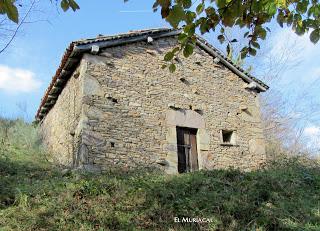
190, 107
228, 137
112, 144
114, 100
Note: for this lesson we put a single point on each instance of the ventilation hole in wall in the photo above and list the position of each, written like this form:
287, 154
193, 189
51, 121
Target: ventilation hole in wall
195, 91
114, 100
190, 107
112, 144
182, 79
76, 75
177, 60
199, 111
198, 63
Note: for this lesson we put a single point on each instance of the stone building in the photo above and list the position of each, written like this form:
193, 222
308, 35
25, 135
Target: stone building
111, 105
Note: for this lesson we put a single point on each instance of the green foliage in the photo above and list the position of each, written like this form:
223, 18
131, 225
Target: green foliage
10, 8
188, 50
315, 36
252, 16
17, 133
169, 56
66, 4
172, 67
35, 195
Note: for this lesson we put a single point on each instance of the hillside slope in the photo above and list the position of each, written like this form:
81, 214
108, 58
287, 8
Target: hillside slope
34, 195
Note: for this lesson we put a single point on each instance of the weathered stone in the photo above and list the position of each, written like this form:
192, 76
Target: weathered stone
82, 156
91, 86
203, 140
162, 162
257, 146
171, 135
185, 118
123, 110
134, 104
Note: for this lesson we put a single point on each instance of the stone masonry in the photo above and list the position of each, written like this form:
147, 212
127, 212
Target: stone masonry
120, 109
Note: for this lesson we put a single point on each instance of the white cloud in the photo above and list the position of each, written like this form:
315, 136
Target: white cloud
312, 134
312, 131
300, 46
15, 80
315, 73
290, 59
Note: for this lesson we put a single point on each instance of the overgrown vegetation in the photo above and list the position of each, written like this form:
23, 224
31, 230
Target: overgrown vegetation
35, 195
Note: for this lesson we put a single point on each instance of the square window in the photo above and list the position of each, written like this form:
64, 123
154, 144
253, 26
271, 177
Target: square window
228, 137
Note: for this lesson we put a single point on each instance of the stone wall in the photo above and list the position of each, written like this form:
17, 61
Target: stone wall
59, 128
131, 107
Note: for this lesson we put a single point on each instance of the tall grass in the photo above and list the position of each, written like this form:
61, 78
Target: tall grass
19, 134
34, 195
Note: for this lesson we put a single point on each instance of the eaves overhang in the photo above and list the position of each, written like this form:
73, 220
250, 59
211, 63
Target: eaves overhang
74, 52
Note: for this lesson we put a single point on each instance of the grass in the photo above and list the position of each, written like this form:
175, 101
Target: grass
34, 195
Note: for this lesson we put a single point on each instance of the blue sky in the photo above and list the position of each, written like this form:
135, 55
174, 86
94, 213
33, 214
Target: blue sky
36, 52
29, 63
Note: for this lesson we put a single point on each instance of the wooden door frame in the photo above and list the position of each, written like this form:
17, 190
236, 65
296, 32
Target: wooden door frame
187, 150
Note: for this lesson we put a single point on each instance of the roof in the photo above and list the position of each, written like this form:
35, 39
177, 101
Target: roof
76, 49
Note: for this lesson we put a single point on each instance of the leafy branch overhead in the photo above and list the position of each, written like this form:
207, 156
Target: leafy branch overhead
9, 8
251, 15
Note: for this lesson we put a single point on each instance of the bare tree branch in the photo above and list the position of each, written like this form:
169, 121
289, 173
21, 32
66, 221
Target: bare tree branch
18, 27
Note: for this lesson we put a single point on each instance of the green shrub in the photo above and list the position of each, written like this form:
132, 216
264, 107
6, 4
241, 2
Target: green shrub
35, 195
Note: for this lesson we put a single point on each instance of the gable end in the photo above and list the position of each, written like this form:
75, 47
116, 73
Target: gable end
74, 52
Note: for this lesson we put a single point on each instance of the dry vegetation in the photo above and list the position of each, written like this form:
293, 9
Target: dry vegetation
35, 195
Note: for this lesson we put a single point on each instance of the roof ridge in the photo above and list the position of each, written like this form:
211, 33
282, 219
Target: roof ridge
130, 32
73, 54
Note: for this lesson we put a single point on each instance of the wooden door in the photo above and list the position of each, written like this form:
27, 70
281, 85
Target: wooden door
187, 149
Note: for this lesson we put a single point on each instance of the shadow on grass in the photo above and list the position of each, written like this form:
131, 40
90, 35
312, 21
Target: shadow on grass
277, 199
284, 197
18, 176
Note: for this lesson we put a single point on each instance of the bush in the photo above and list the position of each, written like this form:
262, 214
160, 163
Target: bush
20, 139
19, 133
35, 195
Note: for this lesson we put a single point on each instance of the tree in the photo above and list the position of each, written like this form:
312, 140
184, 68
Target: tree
13, 14
251, 16
285, 121
10, 8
